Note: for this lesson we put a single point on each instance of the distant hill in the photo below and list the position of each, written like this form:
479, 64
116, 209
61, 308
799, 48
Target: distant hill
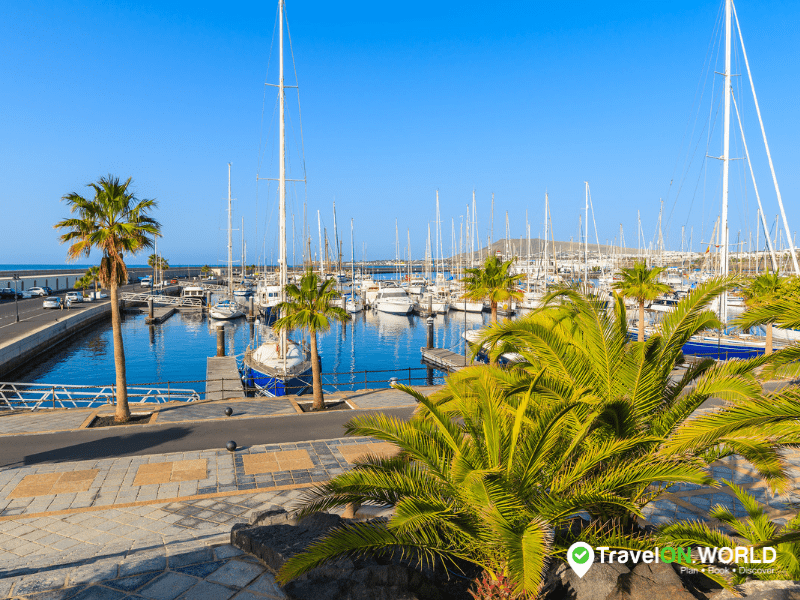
519, 248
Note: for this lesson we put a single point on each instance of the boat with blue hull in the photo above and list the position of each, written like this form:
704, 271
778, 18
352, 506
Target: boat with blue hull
716, 347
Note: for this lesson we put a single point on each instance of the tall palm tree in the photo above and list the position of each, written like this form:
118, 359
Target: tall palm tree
641, 283
92, 276
157, 263
116, 223
493, 282
762, 292
310, 306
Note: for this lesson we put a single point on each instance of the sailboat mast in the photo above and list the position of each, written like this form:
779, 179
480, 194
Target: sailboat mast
284, 275
546, 208
586, 242
230, 237
727, 91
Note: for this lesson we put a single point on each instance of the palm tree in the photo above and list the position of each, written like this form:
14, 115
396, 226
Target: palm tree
641, 283
310, 307
495, 468
492, 281
762, 292
115, 222
157, 263
92, 277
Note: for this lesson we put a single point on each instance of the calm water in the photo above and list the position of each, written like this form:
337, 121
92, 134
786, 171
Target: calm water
176, 350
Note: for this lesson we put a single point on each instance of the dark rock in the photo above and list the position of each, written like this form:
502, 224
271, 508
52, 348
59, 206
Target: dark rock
599, 582
274, 536
650, 581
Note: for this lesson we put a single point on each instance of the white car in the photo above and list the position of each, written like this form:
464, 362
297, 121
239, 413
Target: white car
73, 297
52, 302
37, 291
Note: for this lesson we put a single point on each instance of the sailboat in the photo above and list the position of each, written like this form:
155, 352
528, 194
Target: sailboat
353, 303
279, 366
724, 346
227, 308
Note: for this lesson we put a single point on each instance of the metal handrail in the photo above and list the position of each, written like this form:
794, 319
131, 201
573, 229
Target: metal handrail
161, 299
14, 396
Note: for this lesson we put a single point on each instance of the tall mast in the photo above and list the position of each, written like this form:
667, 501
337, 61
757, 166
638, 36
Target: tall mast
438, 254
352, 259
723, 300
586, 242
230, 237
284, 275
546, 208
321, 262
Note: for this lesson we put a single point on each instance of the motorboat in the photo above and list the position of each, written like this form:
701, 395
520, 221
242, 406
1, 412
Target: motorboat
353, 303
194, 291
393, 300
226, 309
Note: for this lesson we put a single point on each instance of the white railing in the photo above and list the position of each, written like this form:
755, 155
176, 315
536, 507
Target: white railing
157, 299
211, 287
33, 396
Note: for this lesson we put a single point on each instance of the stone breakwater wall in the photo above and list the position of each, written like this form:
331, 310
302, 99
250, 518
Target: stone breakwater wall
17, 351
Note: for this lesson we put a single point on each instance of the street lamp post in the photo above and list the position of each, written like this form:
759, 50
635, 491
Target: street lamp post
16, 303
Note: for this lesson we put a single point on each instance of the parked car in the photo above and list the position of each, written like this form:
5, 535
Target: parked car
52, 302
9, 293
173, 280
73, 297
38, 291
145, 282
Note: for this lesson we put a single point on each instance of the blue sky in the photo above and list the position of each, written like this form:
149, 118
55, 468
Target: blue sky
398, 100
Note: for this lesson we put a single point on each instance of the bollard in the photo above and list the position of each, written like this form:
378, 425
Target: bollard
430, 307
429, 375
392, 381
430, 333
208, 298
150, 307
220, 340
252, 313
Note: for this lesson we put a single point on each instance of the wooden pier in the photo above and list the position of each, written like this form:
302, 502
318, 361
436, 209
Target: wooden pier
444, 359
161, 314
222, 378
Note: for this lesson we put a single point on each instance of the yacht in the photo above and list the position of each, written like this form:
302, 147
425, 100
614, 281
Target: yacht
225, 309
274, 374
393, 300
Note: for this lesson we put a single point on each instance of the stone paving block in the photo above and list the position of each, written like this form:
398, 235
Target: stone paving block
142, 564
190, 557
93, 572
134, 582
43, 581
167, 587
206, 590
267, 585
236, 572
99, 593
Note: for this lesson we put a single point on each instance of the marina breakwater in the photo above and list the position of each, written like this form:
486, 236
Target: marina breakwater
27, 344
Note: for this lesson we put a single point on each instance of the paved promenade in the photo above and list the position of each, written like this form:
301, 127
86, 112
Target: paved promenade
157, 526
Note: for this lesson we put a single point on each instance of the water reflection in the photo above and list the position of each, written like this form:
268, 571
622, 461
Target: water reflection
177, 349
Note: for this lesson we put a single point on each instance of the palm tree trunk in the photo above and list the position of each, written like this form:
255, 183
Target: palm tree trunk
641, 320
123, 412
316, 376
768, 341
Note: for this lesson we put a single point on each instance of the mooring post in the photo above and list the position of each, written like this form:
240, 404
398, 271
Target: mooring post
252, 313
430, 308
220, 340
150, 307
208, 298
430, 333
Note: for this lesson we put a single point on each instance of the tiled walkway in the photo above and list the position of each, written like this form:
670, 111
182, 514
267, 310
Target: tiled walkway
157, 526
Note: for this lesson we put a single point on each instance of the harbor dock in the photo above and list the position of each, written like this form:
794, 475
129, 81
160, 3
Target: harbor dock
161, 314
222, 378
446, 360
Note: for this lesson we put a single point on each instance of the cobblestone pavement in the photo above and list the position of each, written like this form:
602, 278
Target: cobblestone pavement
160, 551
128, 480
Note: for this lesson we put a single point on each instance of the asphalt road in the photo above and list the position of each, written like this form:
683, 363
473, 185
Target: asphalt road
135, 440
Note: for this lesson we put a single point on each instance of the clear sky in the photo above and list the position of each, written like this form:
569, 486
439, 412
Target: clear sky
398, 100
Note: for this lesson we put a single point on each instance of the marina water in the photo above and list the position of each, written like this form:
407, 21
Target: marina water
175, 351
